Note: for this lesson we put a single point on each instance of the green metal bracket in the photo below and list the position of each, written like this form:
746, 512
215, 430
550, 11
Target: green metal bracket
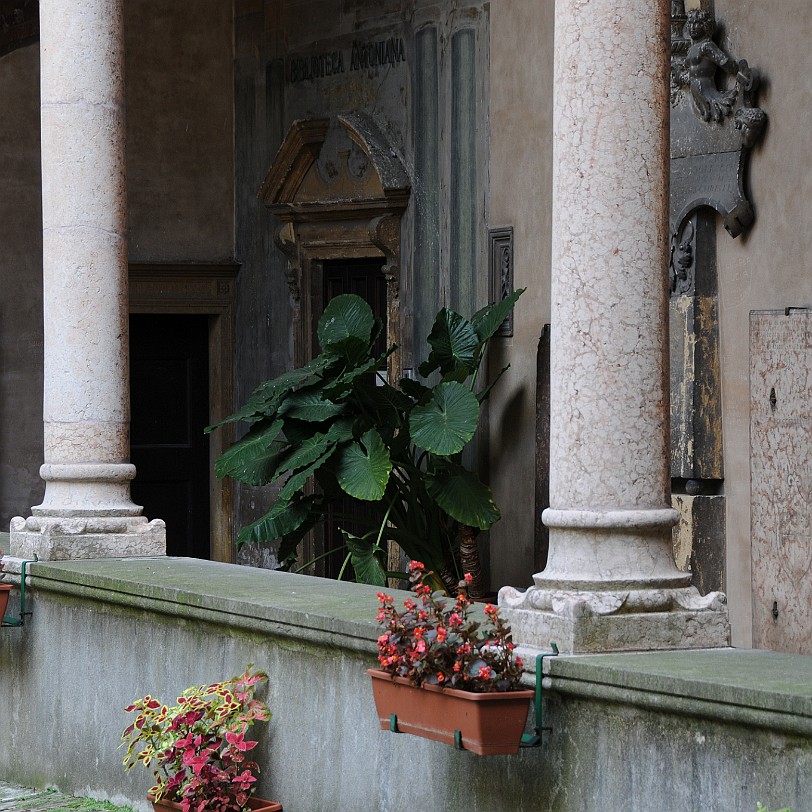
8, 620
534, 739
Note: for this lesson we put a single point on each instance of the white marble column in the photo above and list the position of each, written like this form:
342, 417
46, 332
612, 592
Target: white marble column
87, 510
611, 582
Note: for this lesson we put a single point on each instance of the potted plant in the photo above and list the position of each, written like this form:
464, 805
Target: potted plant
447, 676
199, 747
397, 447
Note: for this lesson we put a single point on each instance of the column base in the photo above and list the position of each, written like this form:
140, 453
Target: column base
63, 539
631, 620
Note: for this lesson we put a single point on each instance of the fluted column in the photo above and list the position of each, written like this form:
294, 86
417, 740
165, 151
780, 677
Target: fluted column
87, 510
611, 582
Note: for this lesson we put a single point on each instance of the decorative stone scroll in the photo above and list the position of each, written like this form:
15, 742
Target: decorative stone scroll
714, 125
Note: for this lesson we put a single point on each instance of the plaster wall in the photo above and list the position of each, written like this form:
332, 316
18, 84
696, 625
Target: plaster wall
21, 338
769, 267
702, 731
520, 196
180, 131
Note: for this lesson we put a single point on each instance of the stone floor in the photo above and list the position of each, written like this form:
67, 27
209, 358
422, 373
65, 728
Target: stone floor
21, 799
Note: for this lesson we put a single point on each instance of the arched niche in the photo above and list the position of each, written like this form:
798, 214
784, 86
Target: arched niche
340, 191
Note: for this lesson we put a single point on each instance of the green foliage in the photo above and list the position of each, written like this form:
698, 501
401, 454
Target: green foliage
434, 641
198, 746
761, 808
395, 447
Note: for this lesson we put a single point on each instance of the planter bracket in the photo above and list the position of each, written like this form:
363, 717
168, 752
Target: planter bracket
9, 620
534, 739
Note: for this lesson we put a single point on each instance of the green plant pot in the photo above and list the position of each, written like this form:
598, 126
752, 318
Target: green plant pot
488, 724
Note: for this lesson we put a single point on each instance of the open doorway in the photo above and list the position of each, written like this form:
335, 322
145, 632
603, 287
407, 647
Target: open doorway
169, 382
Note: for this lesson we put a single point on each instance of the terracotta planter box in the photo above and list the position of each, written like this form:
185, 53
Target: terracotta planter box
489, 724
254, 804
5, 591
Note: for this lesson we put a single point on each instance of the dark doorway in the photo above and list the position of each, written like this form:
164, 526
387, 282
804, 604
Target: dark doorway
364, 278
169, 386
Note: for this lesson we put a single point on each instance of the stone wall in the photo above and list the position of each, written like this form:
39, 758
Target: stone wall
703, 731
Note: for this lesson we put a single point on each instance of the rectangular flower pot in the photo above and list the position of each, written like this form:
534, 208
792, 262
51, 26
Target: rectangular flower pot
254, 805
488, 724
5, 591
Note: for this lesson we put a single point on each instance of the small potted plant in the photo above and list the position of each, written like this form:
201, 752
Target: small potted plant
446, 675
199, 747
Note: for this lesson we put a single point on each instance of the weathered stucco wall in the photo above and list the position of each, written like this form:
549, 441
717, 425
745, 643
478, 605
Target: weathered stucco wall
769, 268
21, 342
702, 731
520, 192
180, 131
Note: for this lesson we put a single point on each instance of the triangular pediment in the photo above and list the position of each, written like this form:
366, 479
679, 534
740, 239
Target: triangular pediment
334, 165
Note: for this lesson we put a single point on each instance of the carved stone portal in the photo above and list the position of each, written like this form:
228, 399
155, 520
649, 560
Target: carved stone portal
340, 191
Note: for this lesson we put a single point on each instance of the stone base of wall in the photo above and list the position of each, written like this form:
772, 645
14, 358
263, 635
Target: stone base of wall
709, 731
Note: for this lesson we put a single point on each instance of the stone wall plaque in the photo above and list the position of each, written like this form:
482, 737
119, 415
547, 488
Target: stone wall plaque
781, 478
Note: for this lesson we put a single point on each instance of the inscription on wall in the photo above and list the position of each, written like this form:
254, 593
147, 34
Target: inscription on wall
362, 56
781, 478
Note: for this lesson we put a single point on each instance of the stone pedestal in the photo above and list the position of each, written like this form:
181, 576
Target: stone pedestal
611, 583
87, 510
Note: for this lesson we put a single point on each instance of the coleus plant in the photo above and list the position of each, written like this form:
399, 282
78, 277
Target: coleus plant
397, 447
435, 641
198, 746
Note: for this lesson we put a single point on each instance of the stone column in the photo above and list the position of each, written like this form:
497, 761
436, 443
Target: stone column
611, 582
87, 510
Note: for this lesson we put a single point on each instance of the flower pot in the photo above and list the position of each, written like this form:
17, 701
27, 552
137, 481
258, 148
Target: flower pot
488, 724
254, 804
5, 591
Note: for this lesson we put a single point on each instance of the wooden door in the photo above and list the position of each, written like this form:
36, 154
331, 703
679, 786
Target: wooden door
364, 278
169, 393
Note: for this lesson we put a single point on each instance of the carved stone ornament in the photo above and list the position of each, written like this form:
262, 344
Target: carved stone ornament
19, 24
714, 125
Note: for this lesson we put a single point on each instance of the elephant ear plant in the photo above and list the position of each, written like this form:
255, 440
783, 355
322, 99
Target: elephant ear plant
336, 420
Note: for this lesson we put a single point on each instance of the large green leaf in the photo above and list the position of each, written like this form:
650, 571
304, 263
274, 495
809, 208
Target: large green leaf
296, 481
265, 398
252, 459
362, 468
343, 383
309, 456
454, 342
414, 389
346, 316
365, 562
447, 422
310, 406
488, 320
462, 496
282, 519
